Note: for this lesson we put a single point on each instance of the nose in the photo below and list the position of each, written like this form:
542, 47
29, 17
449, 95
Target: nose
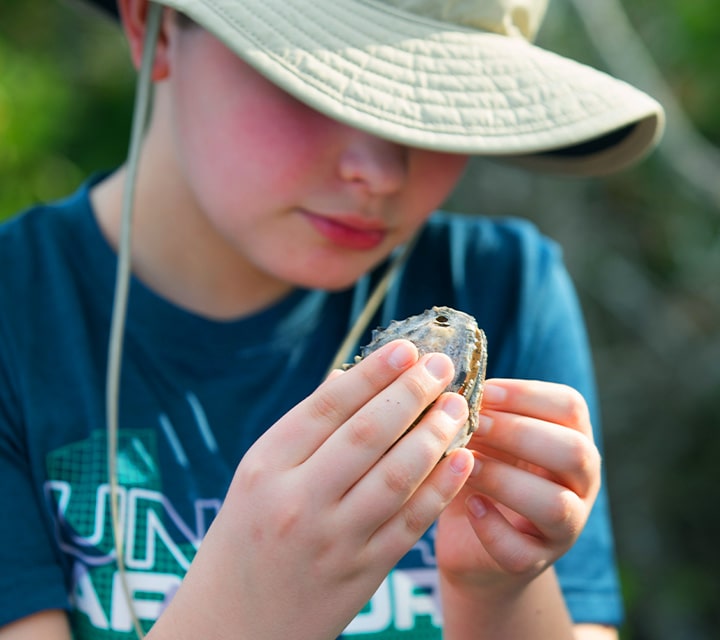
373, 164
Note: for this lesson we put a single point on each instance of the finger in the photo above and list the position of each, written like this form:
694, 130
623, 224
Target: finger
543, 400
556, 512
418, 513
301, 431
569, 456
369, 434
512, 550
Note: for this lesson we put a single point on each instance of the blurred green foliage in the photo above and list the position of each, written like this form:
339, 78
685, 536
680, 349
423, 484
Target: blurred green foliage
643, 247
65, 94
644, 250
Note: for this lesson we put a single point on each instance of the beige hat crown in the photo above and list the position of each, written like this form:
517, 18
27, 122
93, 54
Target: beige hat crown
507, 17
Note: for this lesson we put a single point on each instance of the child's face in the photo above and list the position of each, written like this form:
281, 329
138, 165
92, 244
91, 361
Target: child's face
303, 198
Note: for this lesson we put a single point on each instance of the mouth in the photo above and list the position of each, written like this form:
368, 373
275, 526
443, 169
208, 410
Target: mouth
348, 232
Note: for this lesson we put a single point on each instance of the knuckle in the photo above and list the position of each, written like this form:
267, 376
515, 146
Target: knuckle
417, 387
252, 475
422, 388
438, 427
575, 410
374, 372
521, 563
515, 559
288, 521
398, 479
362, 431
369, 370
583, 455
326, 405
564, 510
415, 523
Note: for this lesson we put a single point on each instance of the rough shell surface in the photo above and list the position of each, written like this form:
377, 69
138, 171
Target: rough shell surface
446, 330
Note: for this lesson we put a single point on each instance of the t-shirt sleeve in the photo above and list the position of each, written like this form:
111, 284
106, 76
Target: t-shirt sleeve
537, 331
553, 345
31, 579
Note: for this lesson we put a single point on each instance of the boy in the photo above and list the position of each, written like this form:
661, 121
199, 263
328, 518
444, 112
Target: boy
291, 148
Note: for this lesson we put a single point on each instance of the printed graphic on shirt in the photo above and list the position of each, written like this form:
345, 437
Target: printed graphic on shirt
161, 539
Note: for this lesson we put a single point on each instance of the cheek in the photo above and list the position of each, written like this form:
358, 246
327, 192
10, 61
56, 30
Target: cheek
435, 175
215, 142
244, 149
226, 117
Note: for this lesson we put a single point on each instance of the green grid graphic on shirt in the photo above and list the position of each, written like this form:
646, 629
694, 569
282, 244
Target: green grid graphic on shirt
159, 548
80, 476
158, 544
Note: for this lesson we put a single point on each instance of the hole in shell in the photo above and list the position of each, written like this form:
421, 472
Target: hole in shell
443, 321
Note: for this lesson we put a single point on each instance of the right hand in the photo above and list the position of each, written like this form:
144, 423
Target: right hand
323, 505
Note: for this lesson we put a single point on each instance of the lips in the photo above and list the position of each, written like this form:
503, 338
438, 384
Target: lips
348, 232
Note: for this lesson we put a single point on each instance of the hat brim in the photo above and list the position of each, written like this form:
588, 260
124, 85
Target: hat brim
438, 86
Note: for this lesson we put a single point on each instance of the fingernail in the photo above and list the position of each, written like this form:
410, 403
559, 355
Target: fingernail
455, 406
477, 506
459, 463
494, 394
477, 466
438, 366
402, 355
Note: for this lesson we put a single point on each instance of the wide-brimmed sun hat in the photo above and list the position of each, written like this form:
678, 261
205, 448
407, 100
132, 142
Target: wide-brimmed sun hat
449, 75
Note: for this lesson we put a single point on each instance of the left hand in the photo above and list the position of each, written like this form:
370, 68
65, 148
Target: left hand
536, 478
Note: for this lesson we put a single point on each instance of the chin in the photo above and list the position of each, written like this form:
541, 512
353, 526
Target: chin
332, 275
327, 279
331, 285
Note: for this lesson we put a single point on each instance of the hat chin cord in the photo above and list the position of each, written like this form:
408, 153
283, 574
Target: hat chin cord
122, 283
350, 342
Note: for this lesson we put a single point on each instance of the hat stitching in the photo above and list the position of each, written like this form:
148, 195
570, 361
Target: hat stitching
496, 102
443, 123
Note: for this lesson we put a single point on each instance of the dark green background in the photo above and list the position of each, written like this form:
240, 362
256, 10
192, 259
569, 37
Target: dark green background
643, 247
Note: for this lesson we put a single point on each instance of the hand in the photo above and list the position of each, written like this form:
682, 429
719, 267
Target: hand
537, 476
324, 504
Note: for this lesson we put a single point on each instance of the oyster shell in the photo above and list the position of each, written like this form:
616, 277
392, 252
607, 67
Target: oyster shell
446, 330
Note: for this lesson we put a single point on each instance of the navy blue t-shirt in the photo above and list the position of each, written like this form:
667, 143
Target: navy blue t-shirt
196, 393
